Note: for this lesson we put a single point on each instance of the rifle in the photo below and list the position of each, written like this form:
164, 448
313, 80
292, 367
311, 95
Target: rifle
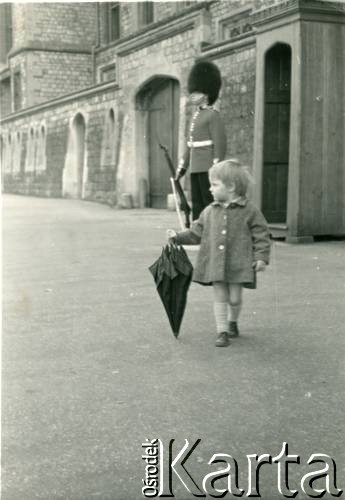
184, 206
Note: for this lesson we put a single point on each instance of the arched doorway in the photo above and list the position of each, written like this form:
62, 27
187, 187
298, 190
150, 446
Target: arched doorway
17, 153
9, 155
108, 153
276, 133
2, 155
73, 173
111, 152
36, 149
111, 136
41, 161
158, 102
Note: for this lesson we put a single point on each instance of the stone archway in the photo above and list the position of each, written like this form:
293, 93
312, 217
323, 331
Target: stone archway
109, 142
73, 178
157, 105
41, 156
29, 163
9, 155
17, 153
2, 158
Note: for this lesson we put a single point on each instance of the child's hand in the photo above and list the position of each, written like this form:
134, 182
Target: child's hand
171, 235
260, 265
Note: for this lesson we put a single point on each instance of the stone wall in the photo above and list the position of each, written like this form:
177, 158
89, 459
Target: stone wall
54, 25
5, 32
57, 121
47, 75
238, 102
54, 65
52, 45
130, 19
20, 12
53, 74
172, 56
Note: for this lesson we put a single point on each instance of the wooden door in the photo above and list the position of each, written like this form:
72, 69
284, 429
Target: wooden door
276, 133
163, 113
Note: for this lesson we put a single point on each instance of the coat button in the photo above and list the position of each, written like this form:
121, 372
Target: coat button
224, 231
221, 247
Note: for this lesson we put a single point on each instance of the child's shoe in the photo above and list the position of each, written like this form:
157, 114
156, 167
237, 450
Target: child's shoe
222, 340
233, 329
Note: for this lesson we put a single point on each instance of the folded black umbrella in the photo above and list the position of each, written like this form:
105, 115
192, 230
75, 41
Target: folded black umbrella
172, 273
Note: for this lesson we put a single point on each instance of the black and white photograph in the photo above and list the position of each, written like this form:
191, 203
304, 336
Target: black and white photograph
172, 249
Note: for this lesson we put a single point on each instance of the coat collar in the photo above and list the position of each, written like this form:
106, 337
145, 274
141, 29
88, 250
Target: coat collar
241, 201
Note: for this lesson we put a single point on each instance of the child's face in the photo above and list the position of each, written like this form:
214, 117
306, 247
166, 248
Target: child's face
219, 190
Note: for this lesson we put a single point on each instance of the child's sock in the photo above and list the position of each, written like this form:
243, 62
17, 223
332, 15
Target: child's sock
234, 312
221, 315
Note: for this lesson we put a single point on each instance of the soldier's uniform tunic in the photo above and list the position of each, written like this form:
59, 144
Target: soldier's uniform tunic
206, 145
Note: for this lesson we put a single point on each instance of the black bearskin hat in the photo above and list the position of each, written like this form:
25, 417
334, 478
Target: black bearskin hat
205, 77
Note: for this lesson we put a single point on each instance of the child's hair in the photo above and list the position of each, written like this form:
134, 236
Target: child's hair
230, 172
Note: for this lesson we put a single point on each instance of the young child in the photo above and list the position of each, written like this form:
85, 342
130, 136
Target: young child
234, 244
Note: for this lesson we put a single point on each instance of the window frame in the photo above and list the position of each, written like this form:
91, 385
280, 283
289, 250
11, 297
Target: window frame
17, 98
102, 70
143, 14
112, 36
238, 19
182, 5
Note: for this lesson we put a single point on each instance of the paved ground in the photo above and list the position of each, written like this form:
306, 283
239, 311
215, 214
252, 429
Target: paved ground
91, 369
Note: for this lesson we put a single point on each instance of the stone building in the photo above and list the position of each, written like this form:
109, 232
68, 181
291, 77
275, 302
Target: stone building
88, 89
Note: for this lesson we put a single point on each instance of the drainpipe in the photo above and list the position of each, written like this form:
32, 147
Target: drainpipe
93, 64
94, 47
97, 26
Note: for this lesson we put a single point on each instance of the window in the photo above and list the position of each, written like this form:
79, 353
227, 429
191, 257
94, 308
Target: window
5, 97
41, 149
108, 152
5, 31
17, 153
108, 73
235, 25
182, 5
114, 21
17, 90
2, 154
145, 13
30, 154
9, 152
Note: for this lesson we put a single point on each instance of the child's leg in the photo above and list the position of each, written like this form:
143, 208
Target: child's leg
221, 304
235, 292
235, 301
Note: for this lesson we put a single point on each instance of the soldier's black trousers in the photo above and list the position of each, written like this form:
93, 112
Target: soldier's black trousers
201, 196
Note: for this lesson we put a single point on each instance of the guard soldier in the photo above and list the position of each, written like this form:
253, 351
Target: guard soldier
206, 142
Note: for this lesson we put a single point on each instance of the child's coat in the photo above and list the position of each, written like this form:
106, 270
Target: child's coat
231, 239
